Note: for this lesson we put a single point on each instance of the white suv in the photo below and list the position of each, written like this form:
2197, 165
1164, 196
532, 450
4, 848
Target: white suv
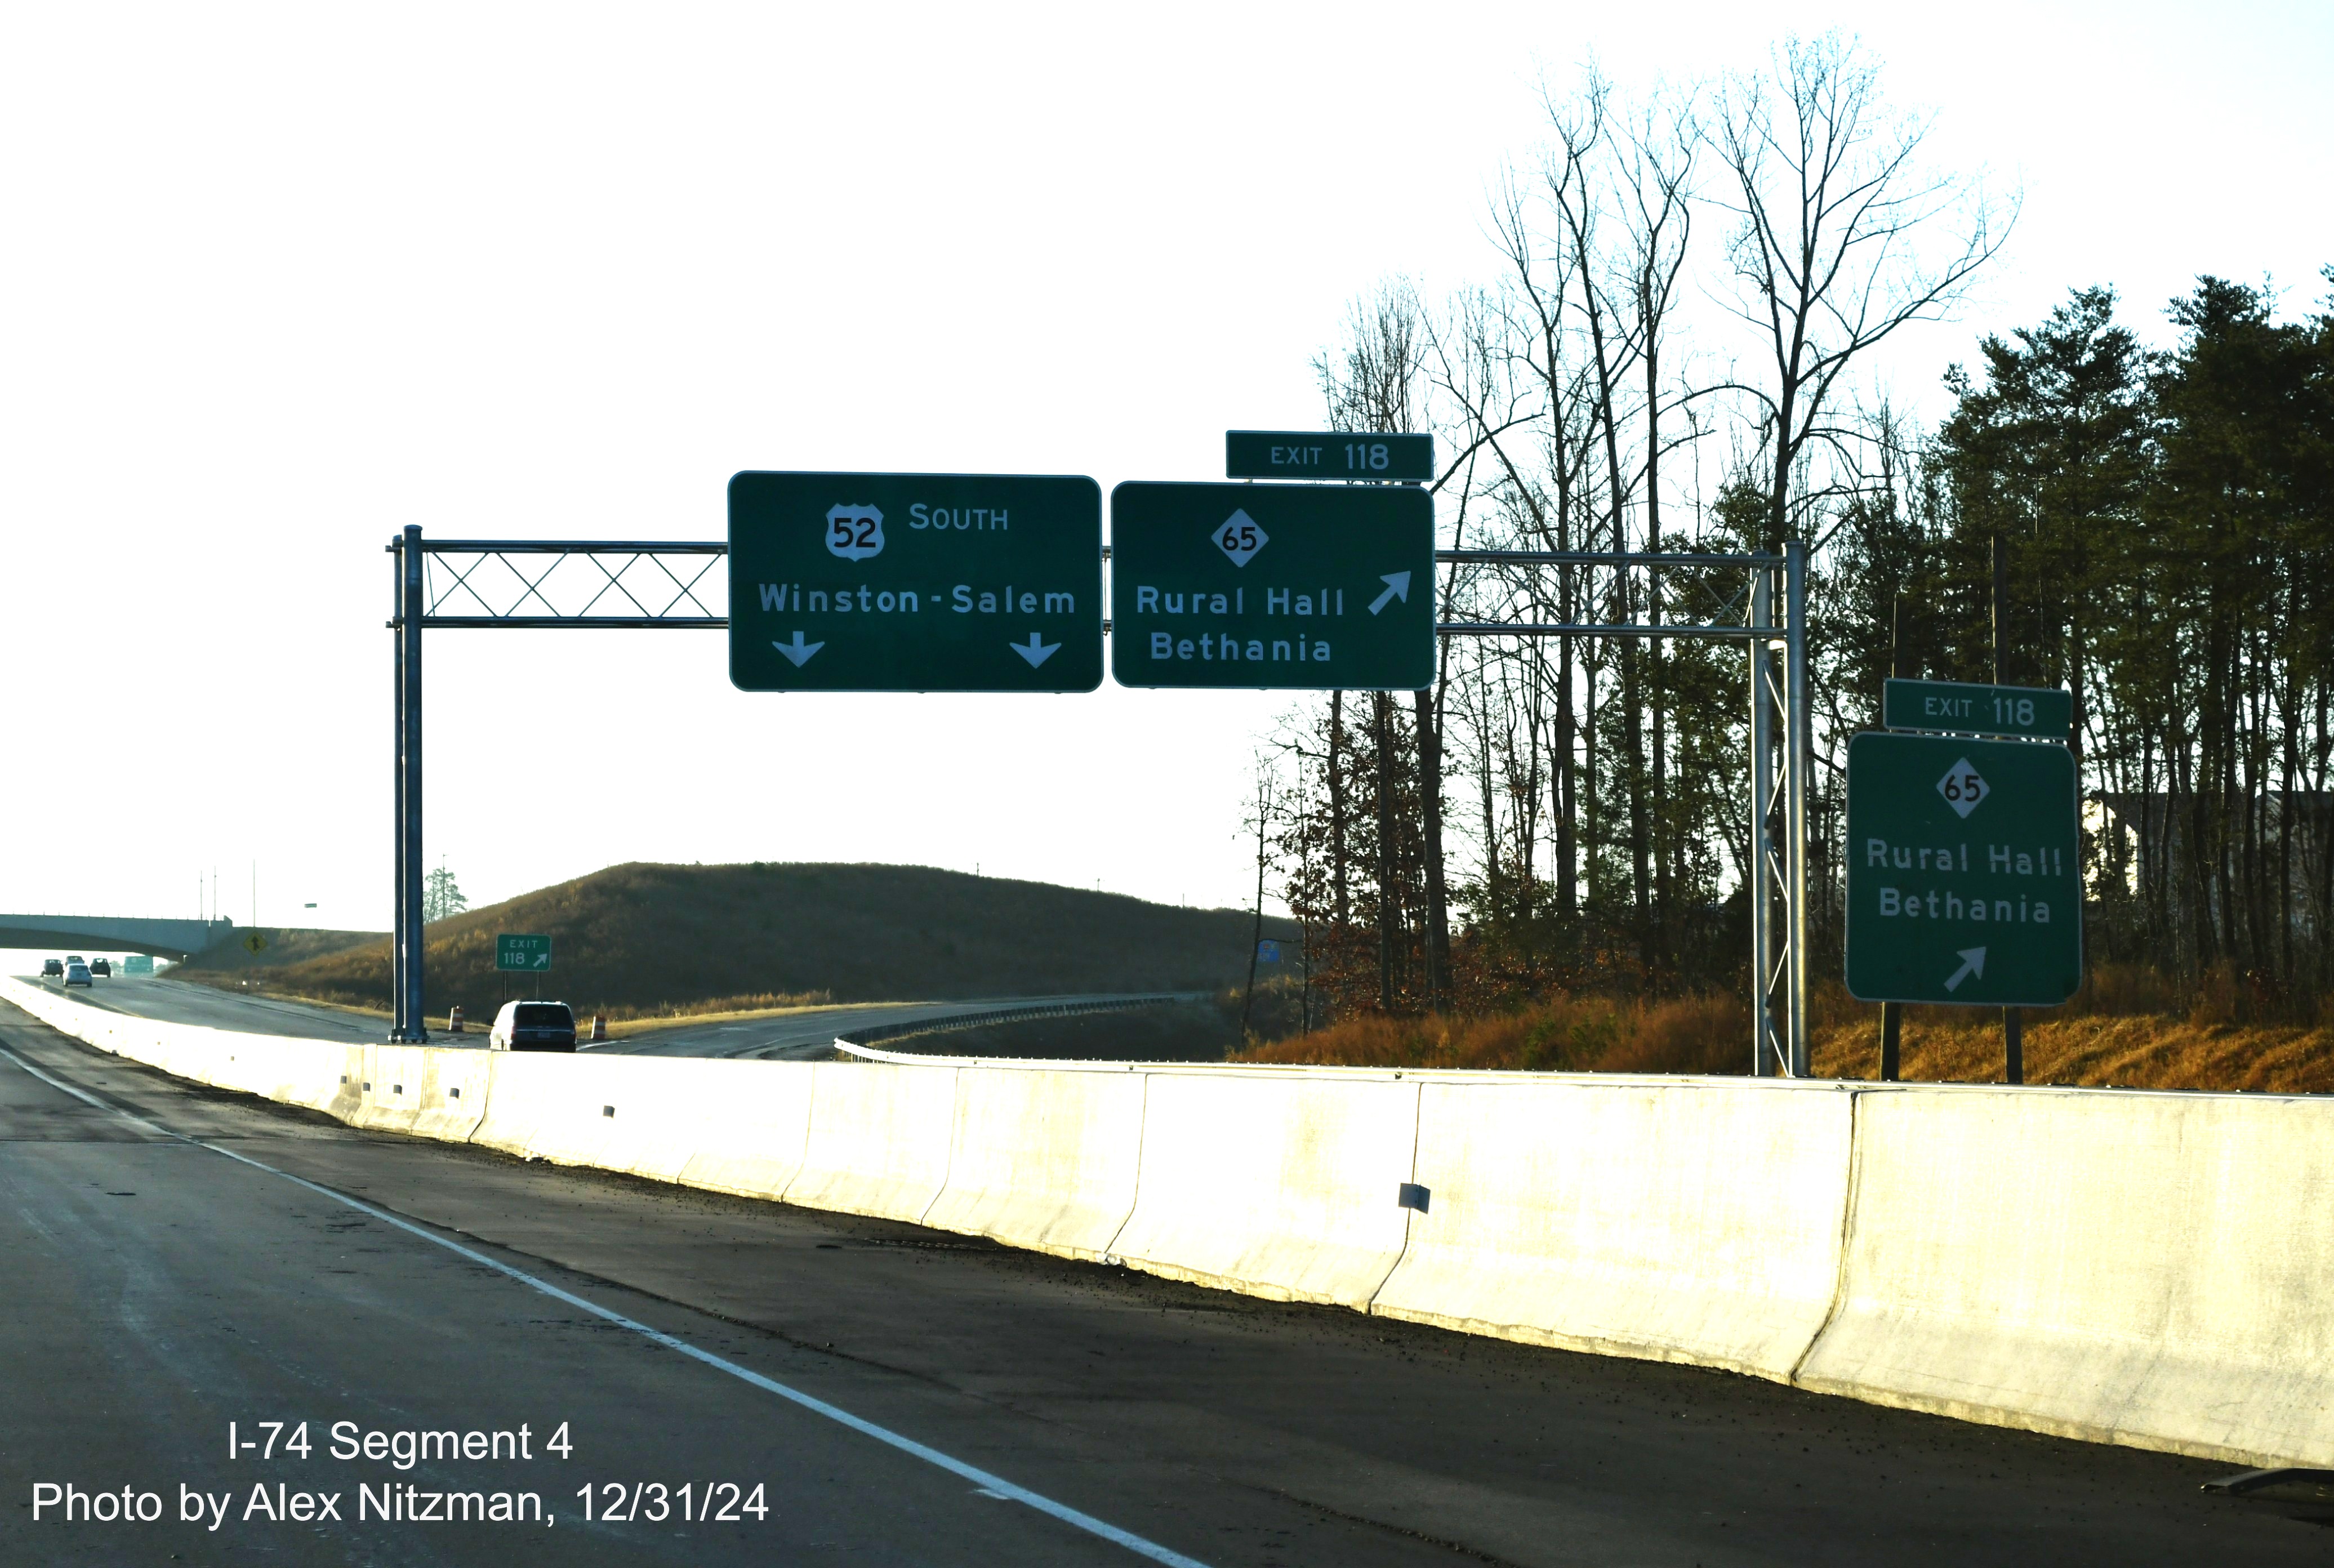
532, 1026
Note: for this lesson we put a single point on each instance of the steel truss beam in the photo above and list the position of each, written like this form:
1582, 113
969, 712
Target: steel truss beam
538, 583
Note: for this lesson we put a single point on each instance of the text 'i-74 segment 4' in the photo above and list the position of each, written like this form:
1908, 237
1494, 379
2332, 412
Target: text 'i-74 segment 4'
1295, 587
914, 582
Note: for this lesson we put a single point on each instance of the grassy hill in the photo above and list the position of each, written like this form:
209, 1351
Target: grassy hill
284, 945
641, 940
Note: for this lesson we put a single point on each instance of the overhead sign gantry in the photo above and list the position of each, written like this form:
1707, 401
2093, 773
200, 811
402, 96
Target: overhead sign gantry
854, 581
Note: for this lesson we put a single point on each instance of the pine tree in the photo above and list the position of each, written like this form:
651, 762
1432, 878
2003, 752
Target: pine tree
441, 896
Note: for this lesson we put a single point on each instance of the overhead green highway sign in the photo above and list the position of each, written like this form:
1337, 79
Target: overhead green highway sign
1963, 878
1328, 454
914, 582
2034, 712
1299, 587
515, 950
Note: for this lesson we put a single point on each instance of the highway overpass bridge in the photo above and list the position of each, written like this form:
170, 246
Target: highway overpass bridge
114, 934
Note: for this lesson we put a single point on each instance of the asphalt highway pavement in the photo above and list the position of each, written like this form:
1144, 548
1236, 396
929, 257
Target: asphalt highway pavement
180, 1259
804, 1034
188, 1002
809, 1034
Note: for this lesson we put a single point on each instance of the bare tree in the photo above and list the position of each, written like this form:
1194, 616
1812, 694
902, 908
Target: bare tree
1657, 159
1263, 817
1580, 187
1833, 215
1377, 381
1530, 329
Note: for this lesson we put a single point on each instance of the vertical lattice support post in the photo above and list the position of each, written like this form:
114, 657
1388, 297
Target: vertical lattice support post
1798, 770
409, 1025
397, 772
1765, 1059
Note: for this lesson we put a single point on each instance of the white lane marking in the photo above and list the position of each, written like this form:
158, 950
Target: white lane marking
992, 1484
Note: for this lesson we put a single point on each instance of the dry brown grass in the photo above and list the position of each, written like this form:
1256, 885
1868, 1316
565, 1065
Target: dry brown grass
624, 1021
1963, 1046
1569, 1033
2123, 1031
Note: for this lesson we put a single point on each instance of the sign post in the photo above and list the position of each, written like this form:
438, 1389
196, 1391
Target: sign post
1965, 880
914, 582
1288, 587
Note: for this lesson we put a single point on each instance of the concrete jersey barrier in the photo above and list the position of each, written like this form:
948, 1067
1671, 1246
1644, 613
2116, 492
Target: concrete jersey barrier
1282, 1187
879, 1140
1046, 1160
2148, 1269
2139, 1268
1693, 1221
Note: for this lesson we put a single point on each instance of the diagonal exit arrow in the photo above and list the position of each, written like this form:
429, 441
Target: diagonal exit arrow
1397, 586
798, 652
1035, 651
1973, 963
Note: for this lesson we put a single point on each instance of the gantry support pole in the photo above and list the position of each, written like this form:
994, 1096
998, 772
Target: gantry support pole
1798, 769
1759, 878
408, 1025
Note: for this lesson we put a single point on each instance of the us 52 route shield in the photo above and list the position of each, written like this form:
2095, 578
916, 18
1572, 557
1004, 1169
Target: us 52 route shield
914, 582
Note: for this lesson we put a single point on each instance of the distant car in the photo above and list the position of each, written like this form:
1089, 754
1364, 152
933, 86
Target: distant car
77, 973
101, 967
53, 968
532, 1026
75, 958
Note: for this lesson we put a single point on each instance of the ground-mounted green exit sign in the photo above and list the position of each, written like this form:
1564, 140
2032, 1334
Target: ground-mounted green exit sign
1965, 707
1291, 587
1964, 879
522, 951
1328, 454
914, 582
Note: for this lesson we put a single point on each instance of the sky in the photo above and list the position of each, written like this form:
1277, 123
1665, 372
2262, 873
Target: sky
279, 281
